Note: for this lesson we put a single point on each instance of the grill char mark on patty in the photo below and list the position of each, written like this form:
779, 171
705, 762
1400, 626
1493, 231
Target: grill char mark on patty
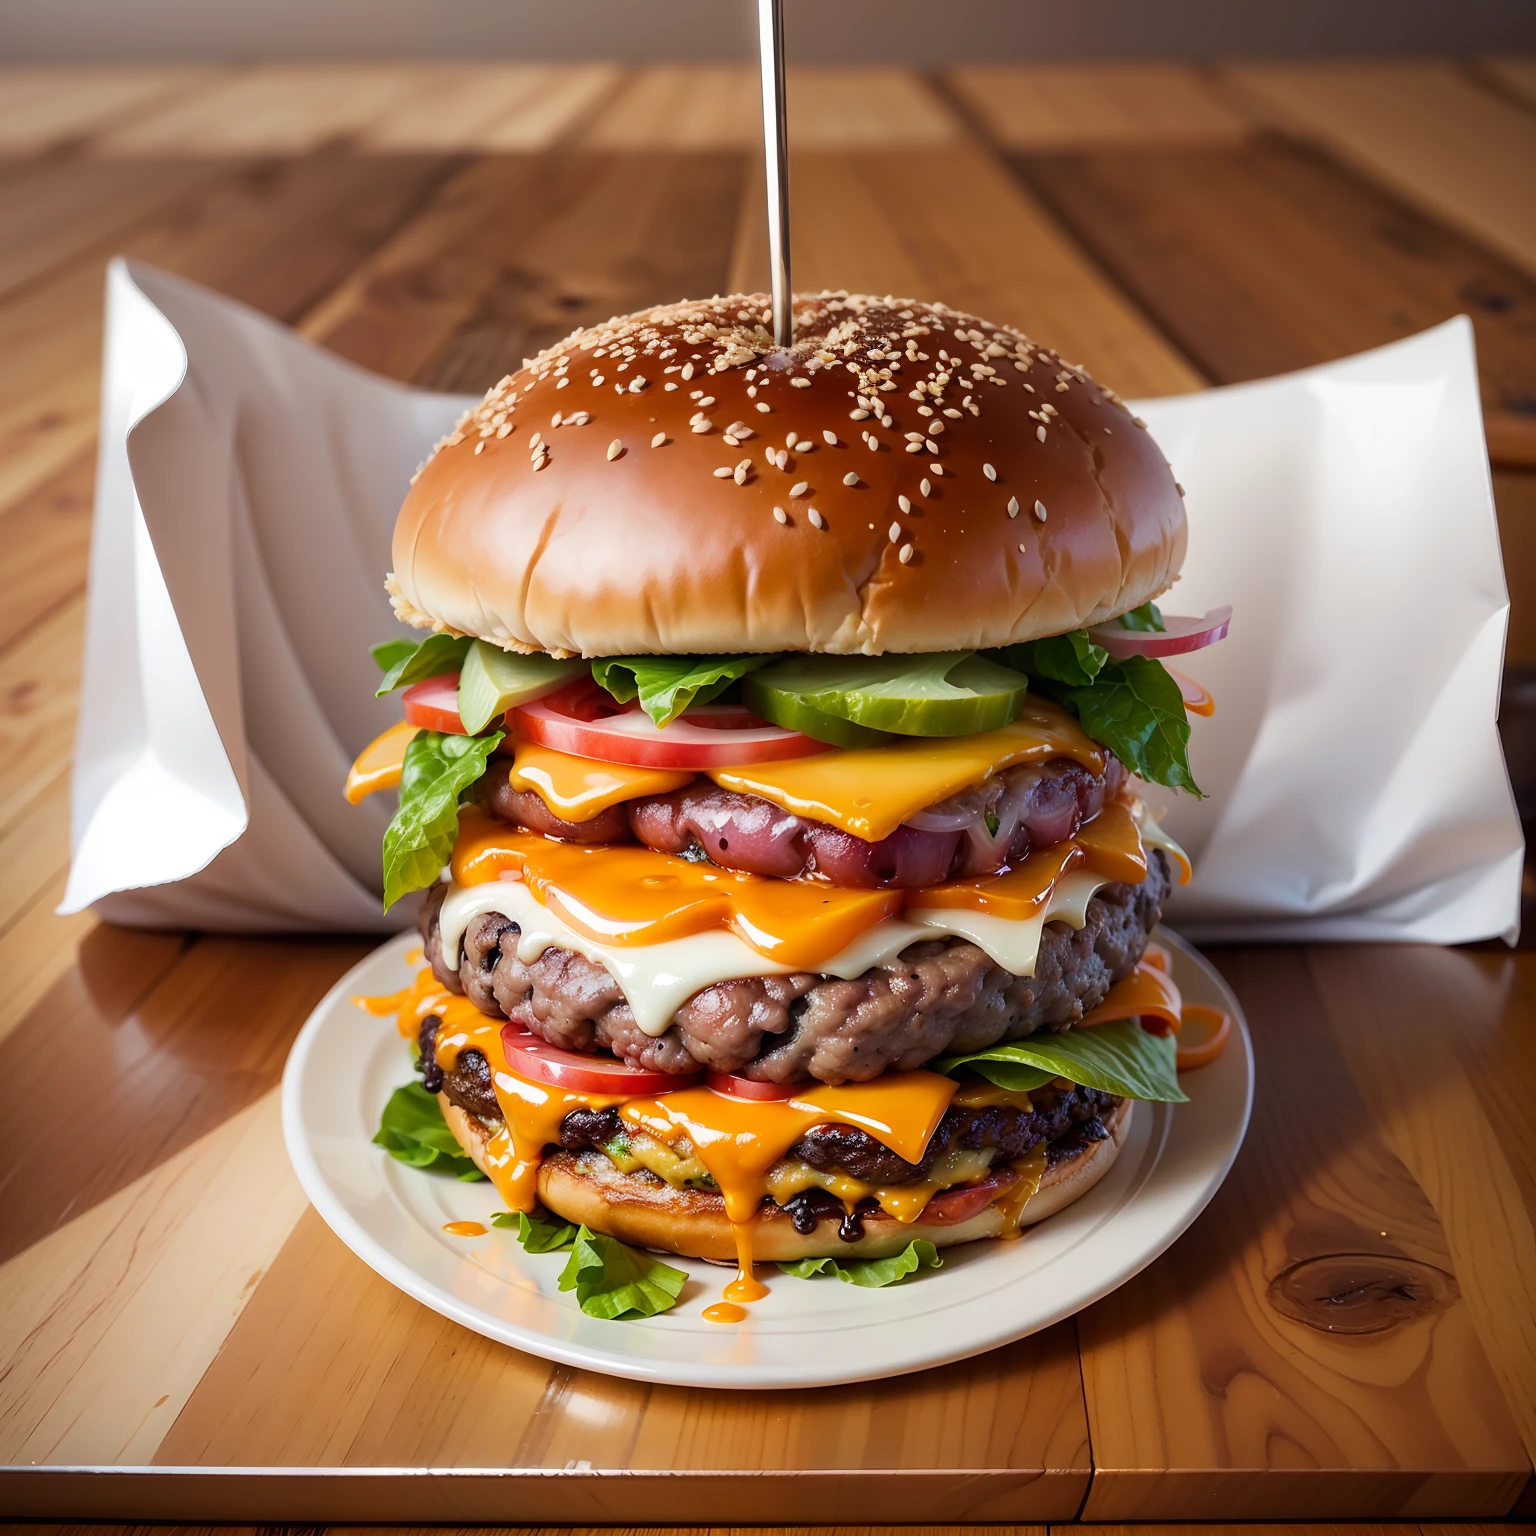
939, 996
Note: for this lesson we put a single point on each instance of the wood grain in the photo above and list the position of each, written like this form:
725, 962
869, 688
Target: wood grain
1270, 257
111, 1321
271, 109
491, 108
515, 253
1422, 128
163, 1046
719, 106
1399, 1016
1088, 106
330, 1366
45, 108
1515, 496
1196, 1363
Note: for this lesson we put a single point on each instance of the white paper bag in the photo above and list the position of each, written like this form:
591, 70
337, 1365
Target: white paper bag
247, 488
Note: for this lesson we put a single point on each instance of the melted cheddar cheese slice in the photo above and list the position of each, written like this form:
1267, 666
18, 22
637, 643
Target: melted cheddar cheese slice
871, 791
580, 788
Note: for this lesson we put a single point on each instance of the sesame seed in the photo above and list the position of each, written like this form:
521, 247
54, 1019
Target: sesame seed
707, 400
800, 487
885, 421
763, 405
925, 488
658, 440
1139, 422
708, 426
1022, 550
780, 515
989, 472
817, 521
555, 420
903, 503
687, 370
894, 532
830, 439
859, 415
800, 383
1040, 433
597, 379
938, 469
930, 445
916, 447
742, 471
534, 441
504, 429
913, 437
731, 438
669, 385
615, 448
1180, 489
480, 447
723, 473
1040, 510
740, 429
1013, 506
952, 413
904, 554
561, 383
850, 478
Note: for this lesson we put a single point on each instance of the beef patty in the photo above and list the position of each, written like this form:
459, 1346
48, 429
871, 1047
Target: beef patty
1065, 1118
936, 997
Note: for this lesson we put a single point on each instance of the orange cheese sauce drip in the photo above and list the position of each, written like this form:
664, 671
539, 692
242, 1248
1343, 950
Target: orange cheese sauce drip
870, 791
724, 1312
378, 765
465, 1229
739, 1140
630, 895
1149, 992
579, 788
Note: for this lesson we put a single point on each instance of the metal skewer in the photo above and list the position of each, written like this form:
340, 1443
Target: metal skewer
770, 44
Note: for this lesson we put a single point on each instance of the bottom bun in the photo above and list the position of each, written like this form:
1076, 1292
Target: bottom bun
584, 1187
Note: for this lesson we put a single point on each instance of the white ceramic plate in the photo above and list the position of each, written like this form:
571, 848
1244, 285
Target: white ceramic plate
807, 1333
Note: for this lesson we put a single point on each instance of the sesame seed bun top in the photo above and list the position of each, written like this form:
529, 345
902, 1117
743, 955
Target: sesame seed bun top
903, 478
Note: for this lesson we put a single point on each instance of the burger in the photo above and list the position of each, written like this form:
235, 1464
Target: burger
770, 765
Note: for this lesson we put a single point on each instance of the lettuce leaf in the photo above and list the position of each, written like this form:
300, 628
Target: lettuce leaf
1120, 1058
1135, 708
613, 1281
412, 1129
1147, 618
389, 653
1072, 659
538, 1234
918, 1254
419, 840
428, 658
667, 685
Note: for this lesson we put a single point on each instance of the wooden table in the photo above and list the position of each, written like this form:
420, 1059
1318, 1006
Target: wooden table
180, 1337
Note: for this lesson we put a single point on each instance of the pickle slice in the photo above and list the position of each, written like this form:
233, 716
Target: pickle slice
794, 714
492, 681
948, 693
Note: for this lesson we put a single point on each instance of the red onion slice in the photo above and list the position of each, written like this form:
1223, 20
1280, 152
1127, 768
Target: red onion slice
1180, 633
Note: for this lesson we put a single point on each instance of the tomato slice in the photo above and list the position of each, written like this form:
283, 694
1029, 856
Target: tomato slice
531, 1057
433, 704
734, 1087
586, 721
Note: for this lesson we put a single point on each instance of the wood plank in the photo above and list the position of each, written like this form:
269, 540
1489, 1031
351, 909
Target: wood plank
516, 253
981, 245
1079, 107
491, 108
1222, 1380
330, 1366
157, 1068
1270, 257
46, 538
1515, 75
39, 686
45, 108
56, 210
269, 109
718, 106
37, 948
276, 236
1423, 129
111, 1321
1399, 1015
